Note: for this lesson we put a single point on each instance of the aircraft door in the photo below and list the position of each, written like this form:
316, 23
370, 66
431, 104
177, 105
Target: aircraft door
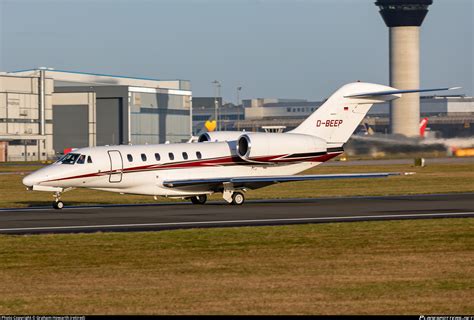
116, 166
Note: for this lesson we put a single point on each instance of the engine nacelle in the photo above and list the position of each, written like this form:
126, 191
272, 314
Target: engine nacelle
219, 136
280, 147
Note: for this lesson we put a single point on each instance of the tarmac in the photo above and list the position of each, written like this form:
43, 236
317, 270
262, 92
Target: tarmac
177, 215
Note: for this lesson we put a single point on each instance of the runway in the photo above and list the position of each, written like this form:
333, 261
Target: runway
218, 214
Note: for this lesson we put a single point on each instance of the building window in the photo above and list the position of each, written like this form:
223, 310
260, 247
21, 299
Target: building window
198, 155
130, 158
288, 109
157, 157
185, 156
171, 156
143, 157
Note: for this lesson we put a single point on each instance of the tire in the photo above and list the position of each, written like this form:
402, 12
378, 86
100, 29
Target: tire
199, 199
58, 205
238, 198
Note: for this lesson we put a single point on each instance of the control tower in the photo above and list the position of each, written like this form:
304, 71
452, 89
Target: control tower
404, 18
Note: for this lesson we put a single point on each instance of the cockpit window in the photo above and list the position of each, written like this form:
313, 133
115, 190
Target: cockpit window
89, 159
82, 159
61, 158
70, 158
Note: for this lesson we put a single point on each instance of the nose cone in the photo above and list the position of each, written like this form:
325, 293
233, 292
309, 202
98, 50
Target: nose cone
31, 180
42, 176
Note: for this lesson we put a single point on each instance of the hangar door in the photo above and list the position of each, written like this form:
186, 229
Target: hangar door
109, 121
70, 127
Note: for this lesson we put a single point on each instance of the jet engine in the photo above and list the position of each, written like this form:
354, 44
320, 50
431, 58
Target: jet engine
279, 147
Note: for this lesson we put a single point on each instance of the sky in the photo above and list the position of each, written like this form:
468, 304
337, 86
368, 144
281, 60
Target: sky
271, 48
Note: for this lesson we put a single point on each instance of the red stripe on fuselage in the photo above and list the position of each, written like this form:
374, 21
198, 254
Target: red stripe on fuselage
232, 160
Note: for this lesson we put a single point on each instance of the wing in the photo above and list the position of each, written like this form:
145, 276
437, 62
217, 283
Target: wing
258, 182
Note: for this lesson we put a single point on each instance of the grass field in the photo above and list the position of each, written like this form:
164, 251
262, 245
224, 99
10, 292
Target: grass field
408, 267
435, 178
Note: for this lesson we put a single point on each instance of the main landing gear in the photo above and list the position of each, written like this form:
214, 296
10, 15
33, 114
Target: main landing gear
231, 196
238, 198
58, 204
199, 199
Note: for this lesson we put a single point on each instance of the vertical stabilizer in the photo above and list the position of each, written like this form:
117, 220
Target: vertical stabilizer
339, 116
423, 124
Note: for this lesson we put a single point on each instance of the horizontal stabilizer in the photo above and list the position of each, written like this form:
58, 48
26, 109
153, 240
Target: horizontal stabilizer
393, 92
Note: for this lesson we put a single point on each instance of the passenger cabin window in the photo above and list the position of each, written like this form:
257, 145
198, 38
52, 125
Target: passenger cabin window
70, 158
157, 157
198, 155
143, 157
185, 156
82, 159
130, 158
171, 156
89, 159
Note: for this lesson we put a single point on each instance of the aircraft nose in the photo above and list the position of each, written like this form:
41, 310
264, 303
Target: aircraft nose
31, 180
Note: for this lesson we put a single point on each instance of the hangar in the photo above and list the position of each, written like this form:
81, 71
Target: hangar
44, 111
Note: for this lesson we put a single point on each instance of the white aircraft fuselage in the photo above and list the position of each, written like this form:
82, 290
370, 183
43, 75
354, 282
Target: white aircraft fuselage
142, 169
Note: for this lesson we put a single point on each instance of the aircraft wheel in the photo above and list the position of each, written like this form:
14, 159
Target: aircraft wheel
58, 205
199, 199
238, 198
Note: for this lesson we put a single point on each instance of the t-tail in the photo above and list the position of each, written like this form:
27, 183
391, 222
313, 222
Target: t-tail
340, 115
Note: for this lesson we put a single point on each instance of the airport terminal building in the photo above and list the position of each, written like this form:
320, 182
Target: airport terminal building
45, 111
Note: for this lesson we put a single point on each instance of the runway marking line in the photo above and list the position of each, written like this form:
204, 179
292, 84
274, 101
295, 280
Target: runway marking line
243, 221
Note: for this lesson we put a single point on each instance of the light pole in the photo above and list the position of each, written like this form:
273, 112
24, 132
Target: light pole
190, 118
238, 95
217, 93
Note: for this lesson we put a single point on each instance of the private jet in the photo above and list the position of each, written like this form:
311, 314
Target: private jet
227, 162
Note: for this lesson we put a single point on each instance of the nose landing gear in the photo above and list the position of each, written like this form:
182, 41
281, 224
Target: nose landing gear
57, 204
